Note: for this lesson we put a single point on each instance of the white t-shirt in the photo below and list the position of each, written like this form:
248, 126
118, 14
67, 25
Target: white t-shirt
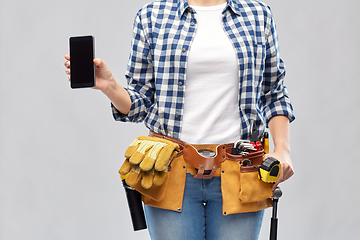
211, 109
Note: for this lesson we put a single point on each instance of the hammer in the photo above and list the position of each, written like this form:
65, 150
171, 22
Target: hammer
274, 220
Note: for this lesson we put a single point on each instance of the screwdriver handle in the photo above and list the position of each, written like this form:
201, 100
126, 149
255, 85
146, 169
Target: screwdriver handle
266, 142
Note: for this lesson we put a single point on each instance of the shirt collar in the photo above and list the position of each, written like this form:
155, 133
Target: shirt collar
183, 5
236, 7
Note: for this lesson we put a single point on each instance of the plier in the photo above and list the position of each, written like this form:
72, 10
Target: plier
254, 138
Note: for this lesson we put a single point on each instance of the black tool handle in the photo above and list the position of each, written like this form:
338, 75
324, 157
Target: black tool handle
273, 229
135, 207
274, 220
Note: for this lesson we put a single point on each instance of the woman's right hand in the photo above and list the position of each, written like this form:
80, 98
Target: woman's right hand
105, 81
103, 76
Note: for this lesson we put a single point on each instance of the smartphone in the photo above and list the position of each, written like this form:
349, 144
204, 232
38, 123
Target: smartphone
82, 70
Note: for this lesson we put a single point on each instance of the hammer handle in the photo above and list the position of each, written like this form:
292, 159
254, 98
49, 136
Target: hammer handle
273, 229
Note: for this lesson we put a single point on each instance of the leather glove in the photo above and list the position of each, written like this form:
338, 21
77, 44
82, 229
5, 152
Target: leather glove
148, 158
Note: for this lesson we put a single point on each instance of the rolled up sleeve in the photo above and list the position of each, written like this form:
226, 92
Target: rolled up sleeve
139, 76
274, 98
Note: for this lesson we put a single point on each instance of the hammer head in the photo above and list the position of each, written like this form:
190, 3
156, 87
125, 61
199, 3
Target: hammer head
277, 193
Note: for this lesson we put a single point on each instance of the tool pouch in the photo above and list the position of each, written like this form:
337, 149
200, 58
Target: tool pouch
242, 190
147, 161
252, 189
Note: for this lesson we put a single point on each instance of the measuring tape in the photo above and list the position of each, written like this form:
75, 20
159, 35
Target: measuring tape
269, 170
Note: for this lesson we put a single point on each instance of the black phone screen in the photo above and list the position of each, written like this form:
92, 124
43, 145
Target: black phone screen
82, 72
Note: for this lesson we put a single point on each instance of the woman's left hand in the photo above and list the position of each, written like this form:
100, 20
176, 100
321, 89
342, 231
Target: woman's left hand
286, 166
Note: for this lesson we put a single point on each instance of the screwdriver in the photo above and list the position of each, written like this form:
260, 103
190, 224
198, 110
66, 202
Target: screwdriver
266, 142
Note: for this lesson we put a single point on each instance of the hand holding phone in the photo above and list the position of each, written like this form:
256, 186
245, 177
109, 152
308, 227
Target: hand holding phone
103, 80
82, 71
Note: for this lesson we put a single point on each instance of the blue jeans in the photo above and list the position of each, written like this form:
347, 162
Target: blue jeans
201, 216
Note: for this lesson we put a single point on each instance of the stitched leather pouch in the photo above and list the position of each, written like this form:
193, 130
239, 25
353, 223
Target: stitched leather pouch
252, 189
170, 194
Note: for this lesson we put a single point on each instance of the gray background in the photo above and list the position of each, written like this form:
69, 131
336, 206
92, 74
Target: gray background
60, 149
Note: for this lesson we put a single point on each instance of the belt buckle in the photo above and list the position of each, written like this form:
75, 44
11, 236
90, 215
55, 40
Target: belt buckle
206, 173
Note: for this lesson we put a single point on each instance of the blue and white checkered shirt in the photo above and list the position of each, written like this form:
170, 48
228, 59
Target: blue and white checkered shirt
156, 73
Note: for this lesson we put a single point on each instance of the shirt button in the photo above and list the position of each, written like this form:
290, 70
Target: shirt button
192, 23
180, 83
177, 115
184, 49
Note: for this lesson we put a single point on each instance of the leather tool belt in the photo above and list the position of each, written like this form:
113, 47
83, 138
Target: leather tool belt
207, 166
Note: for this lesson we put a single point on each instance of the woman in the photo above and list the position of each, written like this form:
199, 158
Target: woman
201, 71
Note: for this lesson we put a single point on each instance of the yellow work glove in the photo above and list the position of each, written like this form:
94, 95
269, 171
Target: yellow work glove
148, 158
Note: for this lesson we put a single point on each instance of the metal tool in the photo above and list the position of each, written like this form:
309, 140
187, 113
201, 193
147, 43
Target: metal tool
242, 147
274, 219
238, 147
254, 137
253, 134
253, 144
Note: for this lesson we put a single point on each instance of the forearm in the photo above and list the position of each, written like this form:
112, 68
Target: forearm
280, 132
279, 129
118, 96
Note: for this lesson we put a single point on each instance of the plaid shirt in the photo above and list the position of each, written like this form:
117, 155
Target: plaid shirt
156, 73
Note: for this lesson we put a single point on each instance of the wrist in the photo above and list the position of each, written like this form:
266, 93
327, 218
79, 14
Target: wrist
119, 97
282, 149
111, 87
